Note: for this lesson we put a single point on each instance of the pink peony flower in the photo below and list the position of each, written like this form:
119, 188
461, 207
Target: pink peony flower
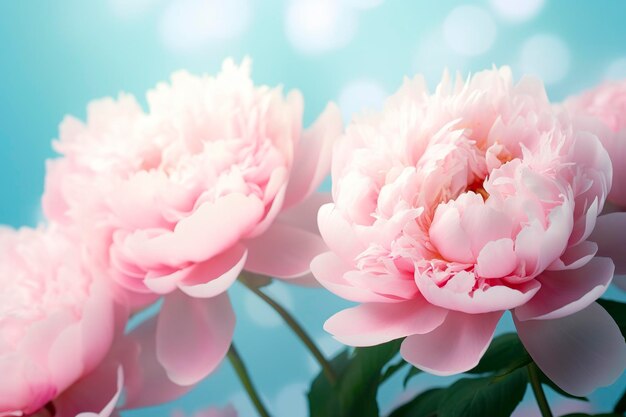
603, 111
57, 322
216, 177
451, 208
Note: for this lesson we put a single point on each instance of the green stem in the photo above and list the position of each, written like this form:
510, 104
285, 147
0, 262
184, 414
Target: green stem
540, 396
244, 377
296, 327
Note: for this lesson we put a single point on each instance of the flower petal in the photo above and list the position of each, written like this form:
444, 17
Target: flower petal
304, 214
338, 233
580, 352
193, 335
329, 270
147, 383
213, 227
283, 251
313, 156
565, 292
482, 300
610, 235
575, 256
216, 275
375, 323
454, 347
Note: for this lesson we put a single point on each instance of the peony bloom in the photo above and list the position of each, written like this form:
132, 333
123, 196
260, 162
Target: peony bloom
57, 322
218, 176
453, 207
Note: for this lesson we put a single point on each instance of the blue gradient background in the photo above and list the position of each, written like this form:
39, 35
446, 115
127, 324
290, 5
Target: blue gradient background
56, 56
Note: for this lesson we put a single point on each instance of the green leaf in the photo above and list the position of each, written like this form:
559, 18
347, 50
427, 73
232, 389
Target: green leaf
425, 404
617, 310
412, 372
505, 354
485, 396
359, 376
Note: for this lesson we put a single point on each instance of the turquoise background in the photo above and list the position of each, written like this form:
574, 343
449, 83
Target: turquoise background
56, 56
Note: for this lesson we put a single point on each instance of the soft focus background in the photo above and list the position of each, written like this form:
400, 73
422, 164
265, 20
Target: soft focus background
56, 56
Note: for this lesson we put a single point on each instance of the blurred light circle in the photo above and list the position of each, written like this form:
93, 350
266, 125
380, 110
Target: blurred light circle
316, 26
291, 400
546, 56
469, 30
189, 24
616, 69
128, 9
261, 313
363, 4
359, 95
517, 10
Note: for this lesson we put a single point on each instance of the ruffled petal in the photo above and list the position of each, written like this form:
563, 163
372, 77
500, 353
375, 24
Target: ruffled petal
454, 347
216, 275
338, 233
481, 300
212, 228
329, 270
565, 292
580, 352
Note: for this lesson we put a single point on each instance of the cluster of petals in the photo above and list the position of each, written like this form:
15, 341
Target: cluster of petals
217, 176
451, 208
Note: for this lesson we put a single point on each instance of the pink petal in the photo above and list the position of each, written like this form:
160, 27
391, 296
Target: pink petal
575, 256
147, 383
313, 155
283, 251
449, 237
565, 292
490, 299
212, 228
338, 233
304, 214
483, 224
496, 259
216, 275
96, 395
538, 248
395, 286
610, 235
454, 347
329, 270
165, 284
375, 323
277, 179
580, 352
193, 335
